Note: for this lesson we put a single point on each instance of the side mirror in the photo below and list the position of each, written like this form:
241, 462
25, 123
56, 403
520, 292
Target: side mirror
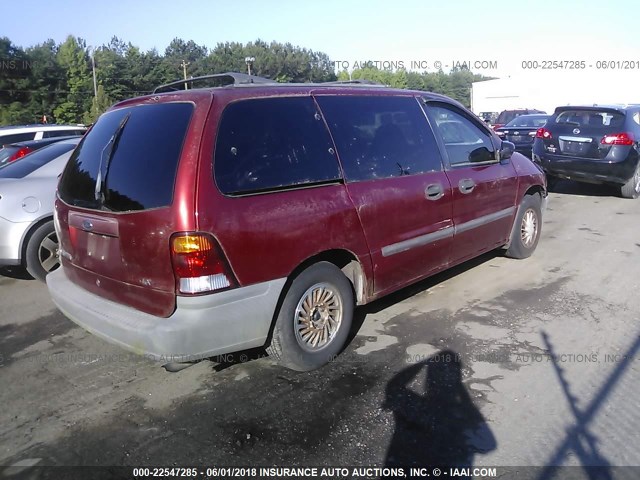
506, 150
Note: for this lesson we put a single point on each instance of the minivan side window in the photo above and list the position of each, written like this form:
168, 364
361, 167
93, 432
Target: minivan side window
464, 141
380, 136
273, 143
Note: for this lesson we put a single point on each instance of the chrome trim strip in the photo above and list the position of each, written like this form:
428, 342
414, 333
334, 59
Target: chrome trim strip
446, 232
575, 139
478, 222
417, 241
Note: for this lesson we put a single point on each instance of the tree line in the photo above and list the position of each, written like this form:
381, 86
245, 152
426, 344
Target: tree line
55, 82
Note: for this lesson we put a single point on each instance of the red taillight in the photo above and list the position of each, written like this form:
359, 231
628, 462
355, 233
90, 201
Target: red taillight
19, 154
199, 264
623, 138
497, 126
543, 133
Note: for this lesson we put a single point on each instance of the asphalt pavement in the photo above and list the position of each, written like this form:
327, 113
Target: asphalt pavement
497, 362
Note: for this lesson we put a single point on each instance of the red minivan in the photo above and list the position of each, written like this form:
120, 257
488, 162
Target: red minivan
207, 221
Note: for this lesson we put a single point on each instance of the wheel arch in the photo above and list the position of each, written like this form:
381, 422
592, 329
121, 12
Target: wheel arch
24, 241
532, 190
345, 260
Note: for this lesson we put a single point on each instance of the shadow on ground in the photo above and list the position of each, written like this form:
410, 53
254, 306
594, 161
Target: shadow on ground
569, 187
15, 272
435, 418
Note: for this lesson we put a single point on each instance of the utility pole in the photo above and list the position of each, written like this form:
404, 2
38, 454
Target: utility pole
184, 71
249, 61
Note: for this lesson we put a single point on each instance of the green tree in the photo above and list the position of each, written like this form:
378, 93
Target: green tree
99, 105
72, 57
47, 81
14, 83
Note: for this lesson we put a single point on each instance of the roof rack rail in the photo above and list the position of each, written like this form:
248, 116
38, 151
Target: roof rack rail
228, 78
358, 81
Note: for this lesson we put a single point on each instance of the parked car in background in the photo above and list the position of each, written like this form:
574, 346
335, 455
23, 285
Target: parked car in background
521, 131
27, 193
23, 133
183, 241
594, 144
507, 115
14, 151
489, 117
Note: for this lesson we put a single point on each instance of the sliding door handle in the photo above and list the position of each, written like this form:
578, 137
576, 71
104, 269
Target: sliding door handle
434, 191
466, 185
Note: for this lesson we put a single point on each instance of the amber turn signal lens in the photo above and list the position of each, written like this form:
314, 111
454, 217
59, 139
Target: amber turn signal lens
191, 244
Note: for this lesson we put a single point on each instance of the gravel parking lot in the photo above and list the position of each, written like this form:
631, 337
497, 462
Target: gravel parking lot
498, 362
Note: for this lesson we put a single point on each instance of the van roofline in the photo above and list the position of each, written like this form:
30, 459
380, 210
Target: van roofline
242, 79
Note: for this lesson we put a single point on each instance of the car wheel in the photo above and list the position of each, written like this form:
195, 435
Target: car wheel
314, 320
42, 251
526, 228
631, 189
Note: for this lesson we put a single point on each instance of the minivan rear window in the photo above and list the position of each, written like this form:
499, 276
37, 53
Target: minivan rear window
271, 144
137, 149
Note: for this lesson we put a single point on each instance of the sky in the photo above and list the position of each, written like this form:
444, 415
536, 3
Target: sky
496, 35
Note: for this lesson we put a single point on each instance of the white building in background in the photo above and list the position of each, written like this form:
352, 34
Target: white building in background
546, 90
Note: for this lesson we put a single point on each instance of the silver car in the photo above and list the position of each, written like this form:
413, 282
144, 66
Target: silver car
27, 194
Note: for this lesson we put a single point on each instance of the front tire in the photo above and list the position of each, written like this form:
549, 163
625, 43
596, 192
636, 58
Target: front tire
314, 320
526, 228
631, 189
41, 255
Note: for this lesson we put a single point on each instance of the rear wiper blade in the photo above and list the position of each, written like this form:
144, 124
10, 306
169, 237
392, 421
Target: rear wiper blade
108, 152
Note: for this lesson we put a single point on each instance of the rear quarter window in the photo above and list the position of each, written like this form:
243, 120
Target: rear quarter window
271, 144
144, 160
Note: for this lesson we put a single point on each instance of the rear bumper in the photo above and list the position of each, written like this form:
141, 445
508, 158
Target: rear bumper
593, 171
200, 327
11, 234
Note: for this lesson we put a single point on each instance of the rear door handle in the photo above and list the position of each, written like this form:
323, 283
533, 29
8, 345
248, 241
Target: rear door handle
466, 185
434, 191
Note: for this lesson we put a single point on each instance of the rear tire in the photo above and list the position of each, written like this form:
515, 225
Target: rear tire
526, 228
41, 256
314, 320
631, 189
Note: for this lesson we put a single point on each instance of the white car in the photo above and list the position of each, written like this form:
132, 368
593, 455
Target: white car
24, 133
27, 194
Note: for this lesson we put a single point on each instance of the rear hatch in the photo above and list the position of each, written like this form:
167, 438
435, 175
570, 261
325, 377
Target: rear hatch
589, 133
114, 214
